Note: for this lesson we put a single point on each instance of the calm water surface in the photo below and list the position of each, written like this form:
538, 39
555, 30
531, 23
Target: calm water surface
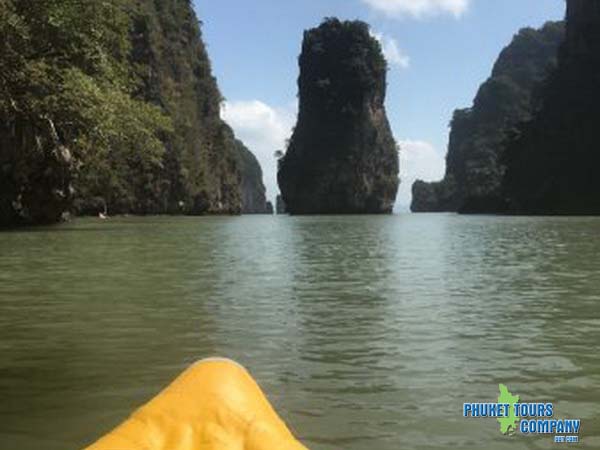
366, 332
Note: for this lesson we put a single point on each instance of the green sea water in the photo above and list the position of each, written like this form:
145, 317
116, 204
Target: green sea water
365, 332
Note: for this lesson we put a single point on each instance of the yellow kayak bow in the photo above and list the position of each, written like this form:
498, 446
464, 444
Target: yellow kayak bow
213, 405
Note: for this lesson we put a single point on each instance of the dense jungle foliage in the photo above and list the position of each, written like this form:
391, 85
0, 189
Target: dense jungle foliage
110, 106
70, 126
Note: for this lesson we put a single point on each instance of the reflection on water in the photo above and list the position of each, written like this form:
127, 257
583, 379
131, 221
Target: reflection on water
366, 332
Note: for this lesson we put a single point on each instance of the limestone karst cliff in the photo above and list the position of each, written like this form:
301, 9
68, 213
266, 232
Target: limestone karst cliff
199, 166
552, 160
342, 157
125, 119
254, 200
68, 118
474, 165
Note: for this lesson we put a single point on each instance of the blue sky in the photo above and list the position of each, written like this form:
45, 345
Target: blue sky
439, 51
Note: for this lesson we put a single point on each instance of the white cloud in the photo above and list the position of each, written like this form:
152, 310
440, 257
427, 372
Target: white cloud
264, 130
419, 8
419, 160
394, 55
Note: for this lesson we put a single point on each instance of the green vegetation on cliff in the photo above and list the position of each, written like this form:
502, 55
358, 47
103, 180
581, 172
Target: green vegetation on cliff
110, 106
474, 165
342, 157
69, 123
200, 173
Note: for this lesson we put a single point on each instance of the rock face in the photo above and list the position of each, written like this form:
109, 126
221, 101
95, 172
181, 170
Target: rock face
200, 174
553, 159
280, 206
125, 119
474, 166
254, 199
342, 157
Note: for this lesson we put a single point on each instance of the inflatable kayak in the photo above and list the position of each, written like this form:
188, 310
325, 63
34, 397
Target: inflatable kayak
213, 405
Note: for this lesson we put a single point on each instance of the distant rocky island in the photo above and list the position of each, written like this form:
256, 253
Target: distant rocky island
529, 144
342, 157
124, 120
254, 198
